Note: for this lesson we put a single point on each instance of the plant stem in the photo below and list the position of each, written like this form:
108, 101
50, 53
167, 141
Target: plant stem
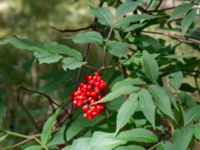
177, 37
18, 144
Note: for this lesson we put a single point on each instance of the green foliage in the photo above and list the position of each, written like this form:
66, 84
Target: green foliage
103, 15
126, 111
180, 11
48, 126
88, 37
147, 106
146, 51
161, 99
118, 49
150, 67
138, 135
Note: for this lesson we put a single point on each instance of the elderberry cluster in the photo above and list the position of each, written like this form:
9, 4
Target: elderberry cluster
88, 92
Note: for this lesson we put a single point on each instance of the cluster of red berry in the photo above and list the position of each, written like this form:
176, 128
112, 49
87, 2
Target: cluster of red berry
88, 92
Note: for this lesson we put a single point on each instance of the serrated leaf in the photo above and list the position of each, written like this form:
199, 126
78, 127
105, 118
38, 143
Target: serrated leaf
103, 15
72, 63
150, 67
34, 147
193, 114
196, 131
128, 6
80, 124
161, 99
81, 144
180, 11
188, 20
88, 37
46, 57
147, 106
118, 49
130, 147
48, 126
127, 81
138, 135
131, 19
104, 141
118, 92
175, 79
182, 138
127, 109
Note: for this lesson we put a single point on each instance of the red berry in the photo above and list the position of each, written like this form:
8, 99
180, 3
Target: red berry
88, 93
85, 107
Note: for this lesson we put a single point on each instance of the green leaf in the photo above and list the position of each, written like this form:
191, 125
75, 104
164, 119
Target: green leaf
104, 141
118, 49
147, 40
67, 148
131, 19
22, 44
134, 27
58, 138
34, 147
56, 48
118, 92
182, 138
180, 11
175, 79
52, 47
126, 111
147, 106
48, 126
88, 37
150, 65
130, 147
80, 124
46, 57
196, 131
127, 81
103, 15
171, 97
128, 6
138, 135
188, 20
165, 146
161, 99
81, 144
72, 63
2, 138
193, 114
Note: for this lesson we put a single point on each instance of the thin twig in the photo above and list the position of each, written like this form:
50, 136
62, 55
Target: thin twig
18, 144
21, 104
104, 49
47, 97
177, 37
160, 2
80, 69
